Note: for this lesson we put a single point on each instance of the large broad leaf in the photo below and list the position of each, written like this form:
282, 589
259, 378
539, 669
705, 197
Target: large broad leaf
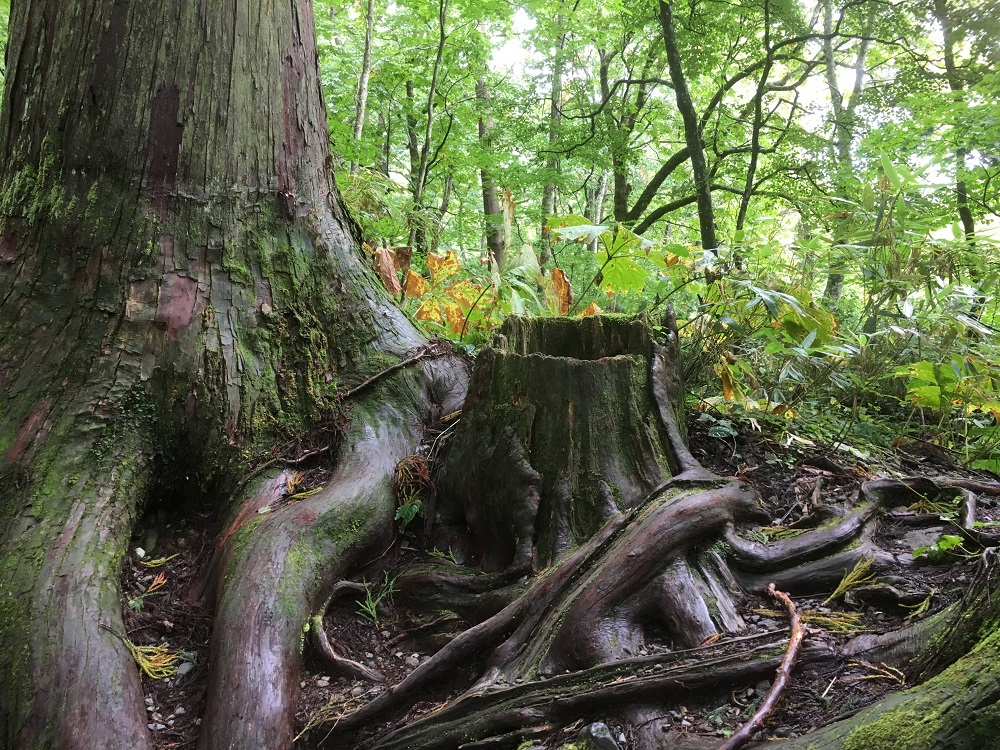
442, 267
624, 240
585, 233
568, 220
416, 286
387, 270
464, 292
620, 274
401, 257
430, 310
928, 396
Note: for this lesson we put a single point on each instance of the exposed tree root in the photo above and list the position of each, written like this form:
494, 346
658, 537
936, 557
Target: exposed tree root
647, 578
662, 678
282, 569
324, 649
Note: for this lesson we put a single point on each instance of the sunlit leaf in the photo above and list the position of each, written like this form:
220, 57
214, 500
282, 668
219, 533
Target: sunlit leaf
585, 233
621, 274
454, 314
589, 310
442, 267
890, 172
430, 310
416, 286
928, 396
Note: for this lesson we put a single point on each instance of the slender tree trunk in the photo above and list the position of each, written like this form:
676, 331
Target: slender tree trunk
552, 160
492, 212
418, 219
844, 120
957, 86
758, 122
361, 97
692, 130
177, 277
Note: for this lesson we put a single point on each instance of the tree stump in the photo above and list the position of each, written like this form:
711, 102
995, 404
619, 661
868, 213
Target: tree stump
567, 423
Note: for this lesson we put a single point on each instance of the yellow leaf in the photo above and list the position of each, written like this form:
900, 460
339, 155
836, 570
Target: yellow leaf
456, 317
430, 310
416, 285
442, 267
464, 292
589, 310
563, 291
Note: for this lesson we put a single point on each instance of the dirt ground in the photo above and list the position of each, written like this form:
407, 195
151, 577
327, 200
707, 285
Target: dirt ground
164, 607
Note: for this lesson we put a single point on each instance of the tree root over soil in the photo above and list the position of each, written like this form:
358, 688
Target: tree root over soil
560, 651
645, 609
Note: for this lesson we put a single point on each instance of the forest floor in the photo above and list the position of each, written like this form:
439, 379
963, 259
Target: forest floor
790, 477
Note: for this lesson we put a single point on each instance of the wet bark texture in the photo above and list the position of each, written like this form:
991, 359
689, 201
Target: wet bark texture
178, 279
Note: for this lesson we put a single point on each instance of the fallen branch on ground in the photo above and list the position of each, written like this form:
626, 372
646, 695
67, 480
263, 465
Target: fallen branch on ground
795, 637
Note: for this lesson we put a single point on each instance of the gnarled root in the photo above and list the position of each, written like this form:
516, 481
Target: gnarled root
324, 649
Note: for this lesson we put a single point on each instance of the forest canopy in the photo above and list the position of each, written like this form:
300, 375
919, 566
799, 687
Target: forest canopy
846, 171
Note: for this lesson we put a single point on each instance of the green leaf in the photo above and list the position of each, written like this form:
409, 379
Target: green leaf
585, 233
621, 274
891, 173
928, 396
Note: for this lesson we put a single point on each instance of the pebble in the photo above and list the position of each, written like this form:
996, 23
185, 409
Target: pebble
156, 727
355, 692
385, 633
412, 662
369, 655
180, 711
598, 736
322, 683
149, 700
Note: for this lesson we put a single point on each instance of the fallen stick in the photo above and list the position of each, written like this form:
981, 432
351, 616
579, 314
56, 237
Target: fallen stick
795, 638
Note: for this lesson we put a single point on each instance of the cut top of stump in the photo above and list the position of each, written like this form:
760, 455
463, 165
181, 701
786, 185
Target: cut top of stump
592, 338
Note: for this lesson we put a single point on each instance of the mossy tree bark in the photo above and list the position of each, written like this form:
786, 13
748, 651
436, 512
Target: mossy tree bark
177, 279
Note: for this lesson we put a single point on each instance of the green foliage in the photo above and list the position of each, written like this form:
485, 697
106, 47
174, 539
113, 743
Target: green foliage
946, 548
406, 512
847, 290
368, 605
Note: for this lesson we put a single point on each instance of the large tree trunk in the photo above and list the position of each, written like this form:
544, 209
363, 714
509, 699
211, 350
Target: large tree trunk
176, 277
